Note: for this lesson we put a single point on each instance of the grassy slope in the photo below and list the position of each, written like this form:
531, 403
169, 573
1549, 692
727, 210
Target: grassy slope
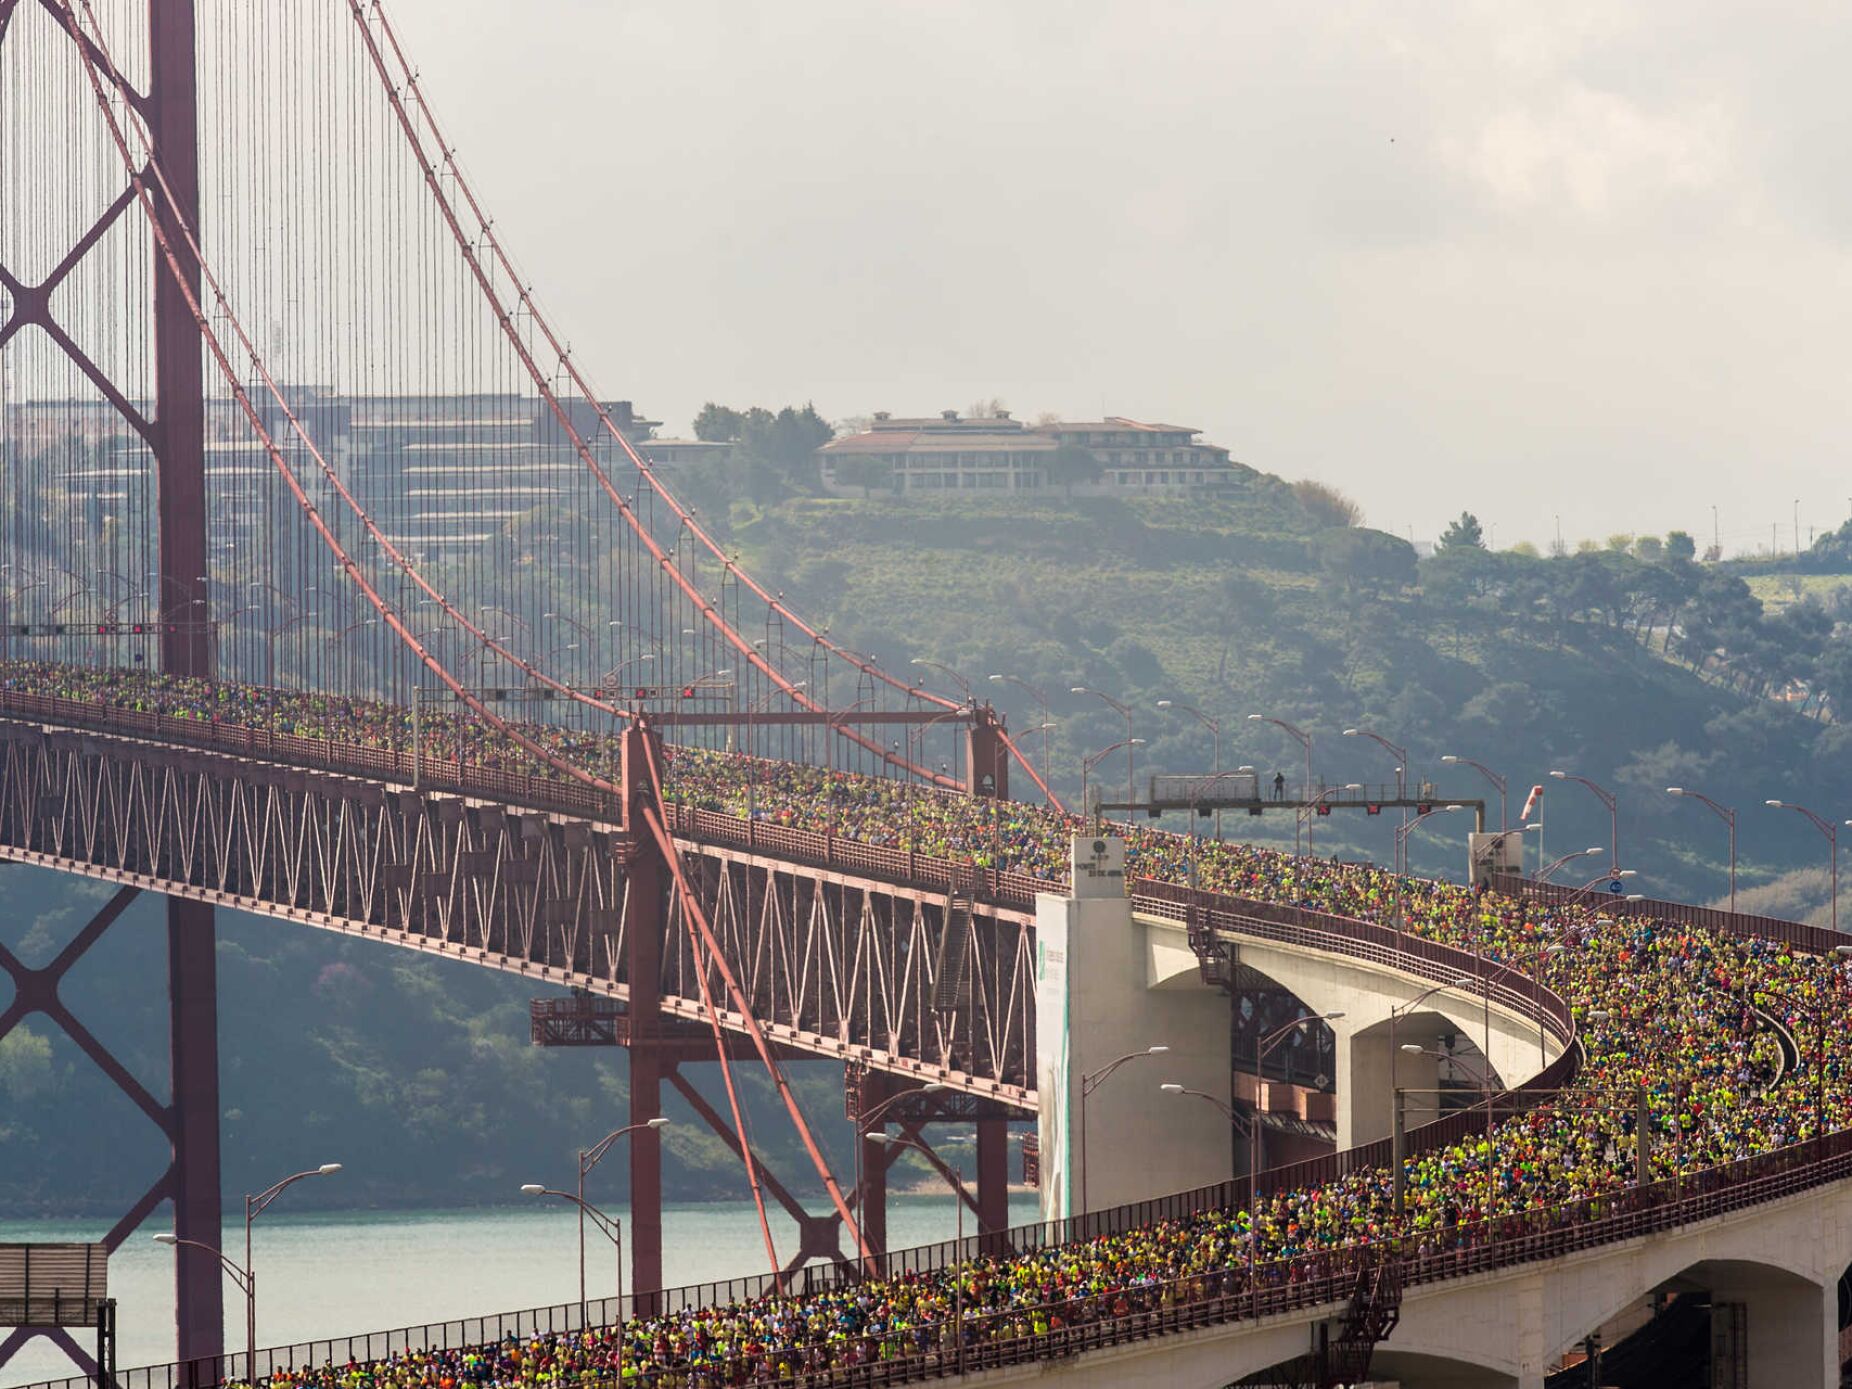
418, 1075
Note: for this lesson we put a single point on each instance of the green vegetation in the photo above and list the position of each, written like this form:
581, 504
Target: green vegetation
1630, 663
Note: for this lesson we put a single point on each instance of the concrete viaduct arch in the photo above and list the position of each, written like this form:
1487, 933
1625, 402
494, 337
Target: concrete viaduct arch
1365, 992
1780, 1260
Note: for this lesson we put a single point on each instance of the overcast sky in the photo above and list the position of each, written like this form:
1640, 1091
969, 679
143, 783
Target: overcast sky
1576, 259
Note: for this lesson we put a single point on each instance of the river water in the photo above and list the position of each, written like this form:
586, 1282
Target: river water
328, 1274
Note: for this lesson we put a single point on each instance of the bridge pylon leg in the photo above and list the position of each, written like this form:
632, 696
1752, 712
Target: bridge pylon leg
193, 1001
871, 1195
987, 758
645, 926
993, 1178
645, 922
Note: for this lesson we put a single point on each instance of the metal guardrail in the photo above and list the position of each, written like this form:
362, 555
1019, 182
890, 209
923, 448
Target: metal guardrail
1220, 1297
1815, 940
1283, 1286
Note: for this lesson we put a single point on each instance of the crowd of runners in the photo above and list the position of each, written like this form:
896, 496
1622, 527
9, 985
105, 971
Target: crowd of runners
1674, 1015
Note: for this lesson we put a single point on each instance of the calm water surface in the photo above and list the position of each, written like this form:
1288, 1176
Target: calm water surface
321, 1275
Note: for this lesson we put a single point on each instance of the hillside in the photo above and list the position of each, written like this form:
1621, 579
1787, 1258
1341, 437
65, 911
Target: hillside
1239, 607
418, 1075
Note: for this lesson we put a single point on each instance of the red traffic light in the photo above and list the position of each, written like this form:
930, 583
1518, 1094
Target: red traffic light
688, 691
1372, 810
1424, 807
1323, 809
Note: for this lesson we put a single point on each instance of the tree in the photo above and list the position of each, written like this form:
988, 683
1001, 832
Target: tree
716, 424
1325, 505
1680, 547
1367, 559
864, 471
1465, 532
1069, 464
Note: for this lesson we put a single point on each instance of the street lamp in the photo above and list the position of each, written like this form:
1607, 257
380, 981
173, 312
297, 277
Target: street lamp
245, 1279
1401, 768
1087, 764
1263, 1048
956, 1180
1305, 741
1214, 726
1723, 812
1041, 697
1131, 791
1402, 833
588, 1159
1543, 874
1608, 799
1497, 781
1485, 1089
612, 1229
964, 685
932, 1087
1831, 831
1401, 1010
1089, 1082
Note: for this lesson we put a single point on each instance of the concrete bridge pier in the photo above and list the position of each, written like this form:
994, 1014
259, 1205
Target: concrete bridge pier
1108, 1134
1370, 1071
1773, 1327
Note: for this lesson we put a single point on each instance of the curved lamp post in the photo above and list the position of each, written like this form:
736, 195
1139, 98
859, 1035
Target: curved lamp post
862, 1121
1607, 798
957, 1182
612, 1229
1723, 812
588, 1159
246, 1278
1131, 744
1498, 782
1090, 1082
1400, 754
1305, 741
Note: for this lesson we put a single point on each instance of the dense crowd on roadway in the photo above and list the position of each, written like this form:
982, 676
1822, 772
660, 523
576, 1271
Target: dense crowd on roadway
1674, 1014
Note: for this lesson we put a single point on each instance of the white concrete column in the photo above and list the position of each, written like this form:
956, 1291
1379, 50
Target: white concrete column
1793, 1330
1094, 1005
1368, 1074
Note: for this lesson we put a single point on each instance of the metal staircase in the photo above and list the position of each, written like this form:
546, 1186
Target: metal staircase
1344, 1360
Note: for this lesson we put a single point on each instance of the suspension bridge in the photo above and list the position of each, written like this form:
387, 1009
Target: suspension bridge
333, 592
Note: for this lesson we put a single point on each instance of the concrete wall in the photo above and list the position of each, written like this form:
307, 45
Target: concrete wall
1092, 1007
1504, 1330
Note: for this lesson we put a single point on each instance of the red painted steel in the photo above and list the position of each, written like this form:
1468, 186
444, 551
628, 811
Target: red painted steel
1286, 1286
646, 895
697, 924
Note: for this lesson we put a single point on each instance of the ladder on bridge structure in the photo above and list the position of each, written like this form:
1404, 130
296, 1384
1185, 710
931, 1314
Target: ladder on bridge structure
1375, 1308
1214, 957
951, 982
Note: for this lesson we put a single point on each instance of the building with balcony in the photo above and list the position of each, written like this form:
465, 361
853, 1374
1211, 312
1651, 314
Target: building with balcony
948, 453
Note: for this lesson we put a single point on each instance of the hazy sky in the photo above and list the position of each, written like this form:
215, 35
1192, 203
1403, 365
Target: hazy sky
1576, 259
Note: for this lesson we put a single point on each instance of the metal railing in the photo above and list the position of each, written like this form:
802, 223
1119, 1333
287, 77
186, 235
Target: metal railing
1815, 940
1220, 1296
1282, 1286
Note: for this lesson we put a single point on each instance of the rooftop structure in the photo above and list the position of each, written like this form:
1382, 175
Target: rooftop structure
948, 452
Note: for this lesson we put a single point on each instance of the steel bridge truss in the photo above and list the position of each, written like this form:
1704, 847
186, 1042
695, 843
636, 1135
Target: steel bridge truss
834, 965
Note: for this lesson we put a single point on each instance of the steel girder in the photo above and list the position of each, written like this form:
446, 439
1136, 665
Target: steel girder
834, 965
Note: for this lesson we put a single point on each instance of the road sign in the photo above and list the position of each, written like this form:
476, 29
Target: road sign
1615, 886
